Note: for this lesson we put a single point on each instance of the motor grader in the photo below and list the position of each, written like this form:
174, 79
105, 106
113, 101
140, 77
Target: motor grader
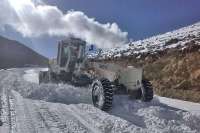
105, 79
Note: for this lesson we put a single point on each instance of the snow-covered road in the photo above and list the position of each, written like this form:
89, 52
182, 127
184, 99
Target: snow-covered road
27, 107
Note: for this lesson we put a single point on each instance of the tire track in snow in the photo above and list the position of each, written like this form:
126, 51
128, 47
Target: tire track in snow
40, 117
84, 122
8, 115
63, 119
104, 121
9, 110
51, 117
55, 119
23, 119
27, 112
5, 114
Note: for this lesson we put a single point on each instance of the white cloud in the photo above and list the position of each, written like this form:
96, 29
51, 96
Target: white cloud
34, 19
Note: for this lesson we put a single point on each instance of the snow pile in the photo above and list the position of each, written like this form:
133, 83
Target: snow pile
63, 93
30, 107
184, 105
177, 38
31, 75
156, 116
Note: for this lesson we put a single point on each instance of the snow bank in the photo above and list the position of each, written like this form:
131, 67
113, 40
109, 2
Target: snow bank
155, 116
31, 75
184, 105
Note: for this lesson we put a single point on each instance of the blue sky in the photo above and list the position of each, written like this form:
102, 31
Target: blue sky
140, 18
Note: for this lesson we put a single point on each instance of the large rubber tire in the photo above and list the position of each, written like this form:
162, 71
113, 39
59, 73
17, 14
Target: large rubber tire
102, 94
146, 91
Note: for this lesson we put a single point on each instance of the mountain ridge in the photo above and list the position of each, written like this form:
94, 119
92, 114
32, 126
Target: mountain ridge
16, 54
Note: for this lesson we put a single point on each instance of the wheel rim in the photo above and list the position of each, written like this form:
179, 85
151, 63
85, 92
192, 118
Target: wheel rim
98, 95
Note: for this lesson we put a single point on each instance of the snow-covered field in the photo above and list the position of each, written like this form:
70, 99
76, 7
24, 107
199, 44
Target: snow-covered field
27, 107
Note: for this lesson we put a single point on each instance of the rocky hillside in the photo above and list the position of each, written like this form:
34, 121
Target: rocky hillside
171, 61
15, 54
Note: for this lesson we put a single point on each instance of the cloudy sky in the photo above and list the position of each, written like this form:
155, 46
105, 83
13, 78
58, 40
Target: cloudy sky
40, 24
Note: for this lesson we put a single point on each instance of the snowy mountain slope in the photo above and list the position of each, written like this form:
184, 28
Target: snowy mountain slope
64, 108
170, 61
175, 39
